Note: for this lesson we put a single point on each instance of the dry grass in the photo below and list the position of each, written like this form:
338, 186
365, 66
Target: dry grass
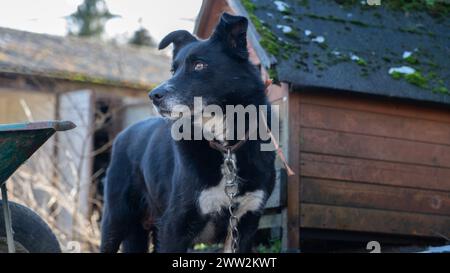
56, 205
58, 184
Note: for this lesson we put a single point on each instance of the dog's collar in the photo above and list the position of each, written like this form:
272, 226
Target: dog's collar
228, 148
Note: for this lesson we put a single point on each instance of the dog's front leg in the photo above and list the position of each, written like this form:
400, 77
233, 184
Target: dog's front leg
247, 227
178, 228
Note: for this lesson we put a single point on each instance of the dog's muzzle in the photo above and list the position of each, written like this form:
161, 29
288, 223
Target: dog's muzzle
159, 93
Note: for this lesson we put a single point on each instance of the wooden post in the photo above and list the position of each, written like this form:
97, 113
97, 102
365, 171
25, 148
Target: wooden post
293, 192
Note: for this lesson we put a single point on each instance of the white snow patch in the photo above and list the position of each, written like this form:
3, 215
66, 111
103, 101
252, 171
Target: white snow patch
285, 29
319, 39
270, 14
354, 57
336, 53
402, 70
308, 32
407, 54
281, 6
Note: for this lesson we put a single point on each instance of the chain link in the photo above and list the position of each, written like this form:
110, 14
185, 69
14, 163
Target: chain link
231, 190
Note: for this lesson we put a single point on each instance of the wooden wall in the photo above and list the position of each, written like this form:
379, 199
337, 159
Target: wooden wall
370, 165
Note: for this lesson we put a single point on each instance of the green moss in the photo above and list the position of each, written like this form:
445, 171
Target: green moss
358, 23
416, 31
286, 12
273, 247
432, 76
77, 77
208, 247
417, 79
433, 7
319, 65
249, 6
323, 45
333, 18
396, 75
305, 3
428, 82
268, 40
361, 62
386, 59
411, 60
293, 34
364, 72
273, 74
441, 89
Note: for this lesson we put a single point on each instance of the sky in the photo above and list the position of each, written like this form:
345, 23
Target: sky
47, 16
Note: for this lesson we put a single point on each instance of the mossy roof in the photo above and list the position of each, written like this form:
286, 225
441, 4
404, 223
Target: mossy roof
348, 45
79, 59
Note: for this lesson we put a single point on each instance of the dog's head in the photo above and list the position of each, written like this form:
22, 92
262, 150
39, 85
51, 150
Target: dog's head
217, 70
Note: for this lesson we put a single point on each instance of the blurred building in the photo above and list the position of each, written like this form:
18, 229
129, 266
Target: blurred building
100, 86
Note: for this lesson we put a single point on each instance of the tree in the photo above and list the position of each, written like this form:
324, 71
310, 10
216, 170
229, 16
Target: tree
89, 19
141, 37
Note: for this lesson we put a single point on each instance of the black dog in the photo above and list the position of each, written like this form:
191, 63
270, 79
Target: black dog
175, 189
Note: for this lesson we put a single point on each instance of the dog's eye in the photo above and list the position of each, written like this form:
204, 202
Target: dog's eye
199, 66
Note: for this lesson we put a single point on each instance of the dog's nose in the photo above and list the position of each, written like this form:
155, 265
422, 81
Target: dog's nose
157, 94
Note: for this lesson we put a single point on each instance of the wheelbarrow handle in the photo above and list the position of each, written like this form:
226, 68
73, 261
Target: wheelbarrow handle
55, 125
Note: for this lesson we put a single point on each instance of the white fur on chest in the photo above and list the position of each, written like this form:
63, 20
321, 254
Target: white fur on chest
214, 200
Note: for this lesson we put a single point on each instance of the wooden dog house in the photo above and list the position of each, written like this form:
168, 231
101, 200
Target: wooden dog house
365, 93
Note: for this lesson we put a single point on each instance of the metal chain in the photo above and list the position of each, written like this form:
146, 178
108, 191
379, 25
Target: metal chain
231, 190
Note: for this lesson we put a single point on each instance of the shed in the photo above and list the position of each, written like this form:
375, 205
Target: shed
366, 96
102, 87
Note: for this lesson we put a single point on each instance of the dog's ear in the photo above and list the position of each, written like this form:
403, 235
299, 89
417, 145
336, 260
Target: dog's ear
179, 39
232, 31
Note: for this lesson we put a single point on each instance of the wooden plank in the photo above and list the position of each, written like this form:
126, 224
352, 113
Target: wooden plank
209, 15
372, 147
270, 221
377, 124
74, 155
378, 105
360, 195
293, 187
370, 220
376, 172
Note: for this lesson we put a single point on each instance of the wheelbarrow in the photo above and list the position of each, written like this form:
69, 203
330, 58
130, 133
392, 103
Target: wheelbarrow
17, 143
